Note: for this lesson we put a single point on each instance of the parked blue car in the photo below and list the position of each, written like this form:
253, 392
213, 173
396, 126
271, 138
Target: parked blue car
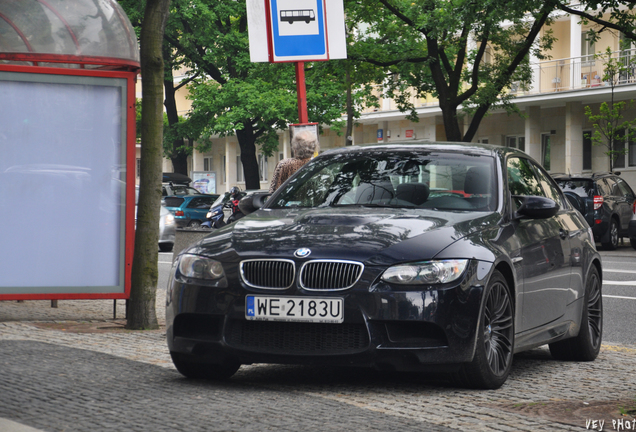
189, 210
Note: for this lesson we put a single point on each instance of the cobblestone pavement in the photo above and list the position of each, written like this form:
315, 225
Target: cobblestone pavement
73, 368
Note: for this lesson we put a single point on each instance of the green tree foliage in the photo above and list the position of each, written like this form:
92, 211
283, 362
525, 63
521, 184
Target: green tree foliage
233, 96
610, 129
464, 53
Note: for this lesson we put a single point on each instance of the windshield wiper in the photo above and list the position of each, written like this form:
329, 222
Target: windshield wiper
374, 205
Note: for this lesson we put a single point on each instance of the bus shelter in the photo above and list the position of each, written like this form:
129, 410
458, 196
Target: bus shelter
67, 149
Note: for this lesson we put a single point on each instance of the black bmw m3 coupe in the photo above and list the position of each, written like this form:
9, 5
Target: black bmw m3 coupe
411, 257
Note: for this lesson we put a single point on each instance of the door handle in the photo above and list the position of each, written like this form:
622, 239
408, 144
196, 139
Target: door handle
563, 234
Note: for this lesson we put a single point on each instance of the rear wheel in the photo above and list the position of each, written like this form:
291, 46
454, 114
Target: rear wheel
165, 247
194, 224
585, 346
612, 244
492, 362
192, 369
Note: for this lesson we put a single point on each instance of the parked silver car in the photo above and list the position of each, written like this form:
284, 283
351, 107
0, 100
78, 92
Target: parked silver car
167, 225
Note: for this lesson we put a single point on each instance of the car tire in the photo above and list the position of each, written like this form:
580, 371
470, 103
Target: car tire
165, 247
194, 224
587, 345
201, 370
612, 244
492, 362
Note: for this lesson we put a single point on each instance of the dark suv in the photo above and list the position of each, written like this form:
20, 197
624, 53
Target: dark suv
606, 201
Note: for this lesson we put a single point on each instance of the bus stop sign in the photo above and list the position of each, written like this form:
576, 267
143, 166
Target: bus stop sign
296, 30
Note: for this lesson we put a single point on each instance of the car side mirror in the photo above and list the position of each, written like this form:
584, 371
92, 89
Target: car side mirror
535, 207
253, 202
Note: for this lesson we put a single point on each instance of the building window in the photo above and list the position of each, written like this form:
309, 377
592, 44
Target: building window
239, 170
545, 151
587, 49
619, 147
262, 167
223, 169
207, 163
138, 167
631, 151
483, 140
587, 150
518, 142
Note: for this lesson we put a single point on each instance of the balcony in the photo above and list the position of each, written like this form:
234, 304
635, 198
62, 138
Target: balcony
577, 73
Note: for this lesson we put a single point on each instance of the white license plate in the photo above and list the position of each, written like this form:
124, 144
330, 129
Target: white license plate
305, 309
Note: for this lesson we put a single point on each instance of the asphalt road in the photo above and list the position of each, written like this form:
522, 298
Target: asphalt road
619, 295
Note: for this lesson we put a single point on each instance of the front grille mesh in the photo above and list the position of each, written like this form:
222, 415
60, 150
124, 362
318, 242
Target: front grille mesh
297, 338
330, 275
277, 274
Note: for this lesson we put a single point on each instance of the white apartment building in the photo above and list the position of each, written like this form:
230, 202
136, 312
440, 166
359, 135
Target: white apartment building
552, 129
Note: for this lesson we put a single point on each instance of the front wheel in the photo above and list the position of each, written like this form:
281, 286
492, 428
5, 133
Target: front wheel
587, 345
194, 224
492, 362
612, 244
196, 370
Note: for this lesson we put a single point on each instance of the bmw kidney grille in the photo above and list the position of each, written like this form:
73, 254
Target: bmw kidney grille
316, 275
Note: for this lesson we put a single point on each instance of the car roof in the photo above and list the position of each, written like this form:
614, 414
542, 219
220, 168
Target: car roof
421, 145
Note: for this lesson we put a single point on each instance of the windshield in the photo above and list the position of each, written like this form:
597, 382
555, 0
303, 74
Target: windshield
581, 187
221, 199
405, 179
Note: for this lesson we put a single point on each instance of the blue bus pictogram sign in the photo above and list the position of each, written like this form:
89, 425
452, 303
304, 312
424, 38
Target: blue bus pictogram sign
298, 30
290, 16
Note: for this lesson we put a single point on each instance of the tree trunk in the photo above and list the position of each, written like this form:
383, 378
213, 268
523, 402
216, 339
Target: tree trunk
350, 113
141, 308
178, 154
247, 143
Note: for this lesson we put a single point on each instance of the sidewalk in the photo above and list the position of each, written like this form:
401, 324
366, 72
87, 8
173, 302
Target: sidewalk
541, 394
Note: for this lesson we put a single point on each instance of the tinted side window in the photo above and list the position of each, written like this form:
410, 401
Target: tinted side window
200, 203
603, 187
173, 201
613, 187
551, 190
624, 187
522, 179
581, 187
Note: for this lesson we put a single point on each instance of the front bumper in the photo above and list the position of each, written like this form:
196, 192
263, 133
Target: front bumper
383, 328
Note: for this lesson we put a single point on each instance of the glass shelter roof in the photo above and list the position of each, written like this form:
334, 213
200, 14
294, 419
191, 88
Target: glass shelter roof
63, 33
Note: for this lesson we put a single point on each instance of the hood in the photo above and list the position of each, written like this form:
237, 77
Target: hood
369, 235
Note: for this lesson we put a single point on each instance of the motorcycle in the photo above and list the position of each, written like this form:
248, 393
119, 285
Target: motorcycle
230, 207
224, 210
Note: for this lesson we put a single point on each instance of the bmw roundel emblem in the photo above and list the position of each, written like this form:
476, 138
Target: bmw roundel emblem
302, 253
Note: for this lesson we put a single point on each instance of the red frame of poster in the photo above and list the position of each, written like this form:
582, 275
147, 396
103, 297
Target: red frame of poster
115, 68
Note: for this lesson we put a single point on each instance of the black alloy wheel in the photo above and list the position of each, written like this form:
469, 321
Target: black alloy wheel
492, 362
587, 344
612, 244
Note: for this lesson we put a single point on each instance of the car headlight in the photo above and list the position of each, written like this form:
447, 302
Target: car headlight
198, 267
169, 219
426, 272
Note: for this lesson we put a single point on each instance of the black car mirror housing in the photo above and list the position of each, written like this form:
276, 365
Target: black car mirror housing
253, 202
535, 207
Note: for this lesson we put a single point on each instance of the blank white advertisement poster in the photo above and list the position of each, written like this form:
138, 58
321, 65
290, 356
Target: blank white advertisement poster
62, 184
